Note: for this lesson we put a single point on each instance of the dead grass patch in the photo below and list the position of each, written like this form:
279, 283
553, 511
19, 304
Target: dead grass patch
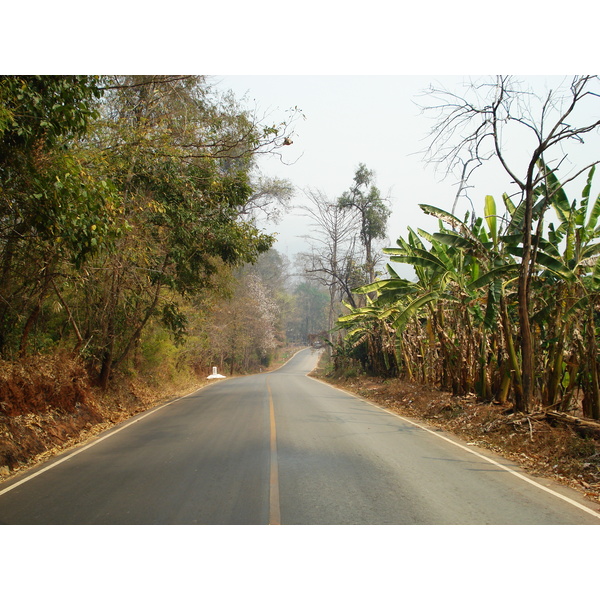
48, 404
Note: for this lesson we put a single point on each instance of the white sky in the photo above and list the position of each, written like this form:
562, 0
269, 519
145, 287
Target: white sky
375, 120
349, 120
353, 69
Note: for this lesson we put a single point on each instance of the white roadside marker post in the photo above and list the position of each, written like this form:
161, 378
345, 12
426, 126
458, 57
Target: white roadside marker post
215, 375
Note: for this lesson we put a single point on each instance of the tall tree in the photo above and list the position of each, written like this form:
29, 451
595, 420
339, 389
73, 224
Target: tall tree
181, 161
332, 260
122, 197
51, 209
364, 198
311, 312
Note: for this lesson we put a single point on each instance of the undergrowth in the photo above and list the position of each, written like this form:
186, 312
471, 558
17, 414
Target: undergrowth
48, 403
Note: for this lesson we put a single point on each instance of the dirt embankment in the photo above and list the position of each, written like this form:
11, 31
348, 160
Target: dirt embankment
543, 447
48, 404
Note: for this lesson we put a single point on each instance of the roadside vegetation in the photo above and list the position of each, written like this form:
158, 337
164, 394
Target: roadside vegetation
131, 259
132, 262
502, 314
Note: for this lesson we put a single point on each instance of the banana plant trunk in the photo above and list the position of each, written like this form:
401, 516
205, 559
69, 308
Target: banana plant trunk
555, 357
512, 354
593, 353
524, 403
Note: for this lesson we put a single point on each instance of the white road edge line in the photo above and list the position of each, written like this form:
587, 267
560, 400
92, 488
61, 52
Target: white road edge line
111, 433
490, 460
101, 439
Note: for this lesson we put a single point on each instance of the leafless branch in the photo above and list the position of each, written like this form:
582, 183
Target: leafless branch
464, 127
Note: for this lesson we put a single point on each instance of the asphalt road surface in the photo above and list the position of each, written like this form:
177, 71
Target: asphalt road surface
282, 448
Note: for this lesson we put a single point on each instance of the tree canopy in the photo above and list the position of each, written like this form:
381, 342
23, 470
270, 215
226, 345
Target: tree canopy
121, 197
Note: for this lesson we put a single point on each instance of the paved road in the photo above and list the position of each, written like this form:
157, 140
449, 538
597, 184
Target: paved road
282, 448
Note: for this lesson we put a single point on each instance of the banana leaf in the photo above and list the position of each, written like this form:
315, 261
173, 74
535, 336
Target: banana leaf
491, 218
443, 215
493, 275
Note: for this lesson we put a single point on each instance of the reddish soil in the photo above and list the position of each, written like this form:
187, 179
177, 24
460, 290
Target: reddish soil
48, 404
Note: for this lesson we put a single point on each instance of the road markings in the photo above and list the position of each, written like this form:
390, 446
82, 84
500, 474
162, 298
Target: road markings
274, 508
467, 449
101, 439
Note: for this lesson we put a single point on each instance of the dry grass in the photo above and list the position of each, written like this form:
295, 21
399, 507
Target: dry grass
47, 405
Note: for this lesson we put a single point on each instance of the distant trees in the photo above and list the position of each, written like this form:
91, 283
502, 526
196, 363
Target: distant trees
257, 311
309, 315
342, 234
364, 199
332, 239
242, 330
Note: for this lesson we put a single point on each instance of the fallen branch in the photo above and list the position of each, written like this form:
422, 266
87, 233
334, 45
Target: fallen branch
584, 426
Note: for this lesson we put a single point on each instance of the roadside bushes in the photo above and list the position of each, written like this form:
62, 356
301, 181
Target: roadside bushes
45, 400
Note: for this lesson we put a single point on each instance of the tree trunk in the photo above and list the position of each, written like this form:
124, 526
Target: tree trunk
370, 266
71, 319
138, 332
33, 317
525, 403
512, 353
594, 411
583, 426
28, 326
106, 368
108, 333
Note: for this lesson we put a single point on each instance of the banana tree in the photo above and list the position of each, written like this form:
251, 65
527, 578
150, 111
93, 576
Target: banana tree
437, 320
569, 258
490, 271
420, 307
460, 315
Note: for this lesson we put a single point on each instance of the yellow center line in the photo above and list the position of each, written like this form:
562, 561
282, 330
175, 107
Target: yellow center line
274, 509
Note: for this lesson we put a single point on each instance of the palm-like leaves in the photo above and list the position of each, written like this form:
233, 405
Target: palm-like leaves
460, 309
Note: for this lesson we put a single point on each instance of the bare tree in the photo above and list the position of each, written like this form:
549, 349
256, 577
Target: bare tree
270, 200
480, 125
333, 257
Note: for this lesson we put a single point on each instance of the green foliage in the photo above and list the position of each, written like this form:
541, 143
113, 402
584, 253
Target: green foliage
365, 199
456, 325
45, 110
175, 321
120, 201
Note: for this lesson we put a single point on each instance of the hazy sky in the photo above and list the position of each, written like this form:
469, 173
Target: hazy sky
348, 120
374, 120
308, 55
